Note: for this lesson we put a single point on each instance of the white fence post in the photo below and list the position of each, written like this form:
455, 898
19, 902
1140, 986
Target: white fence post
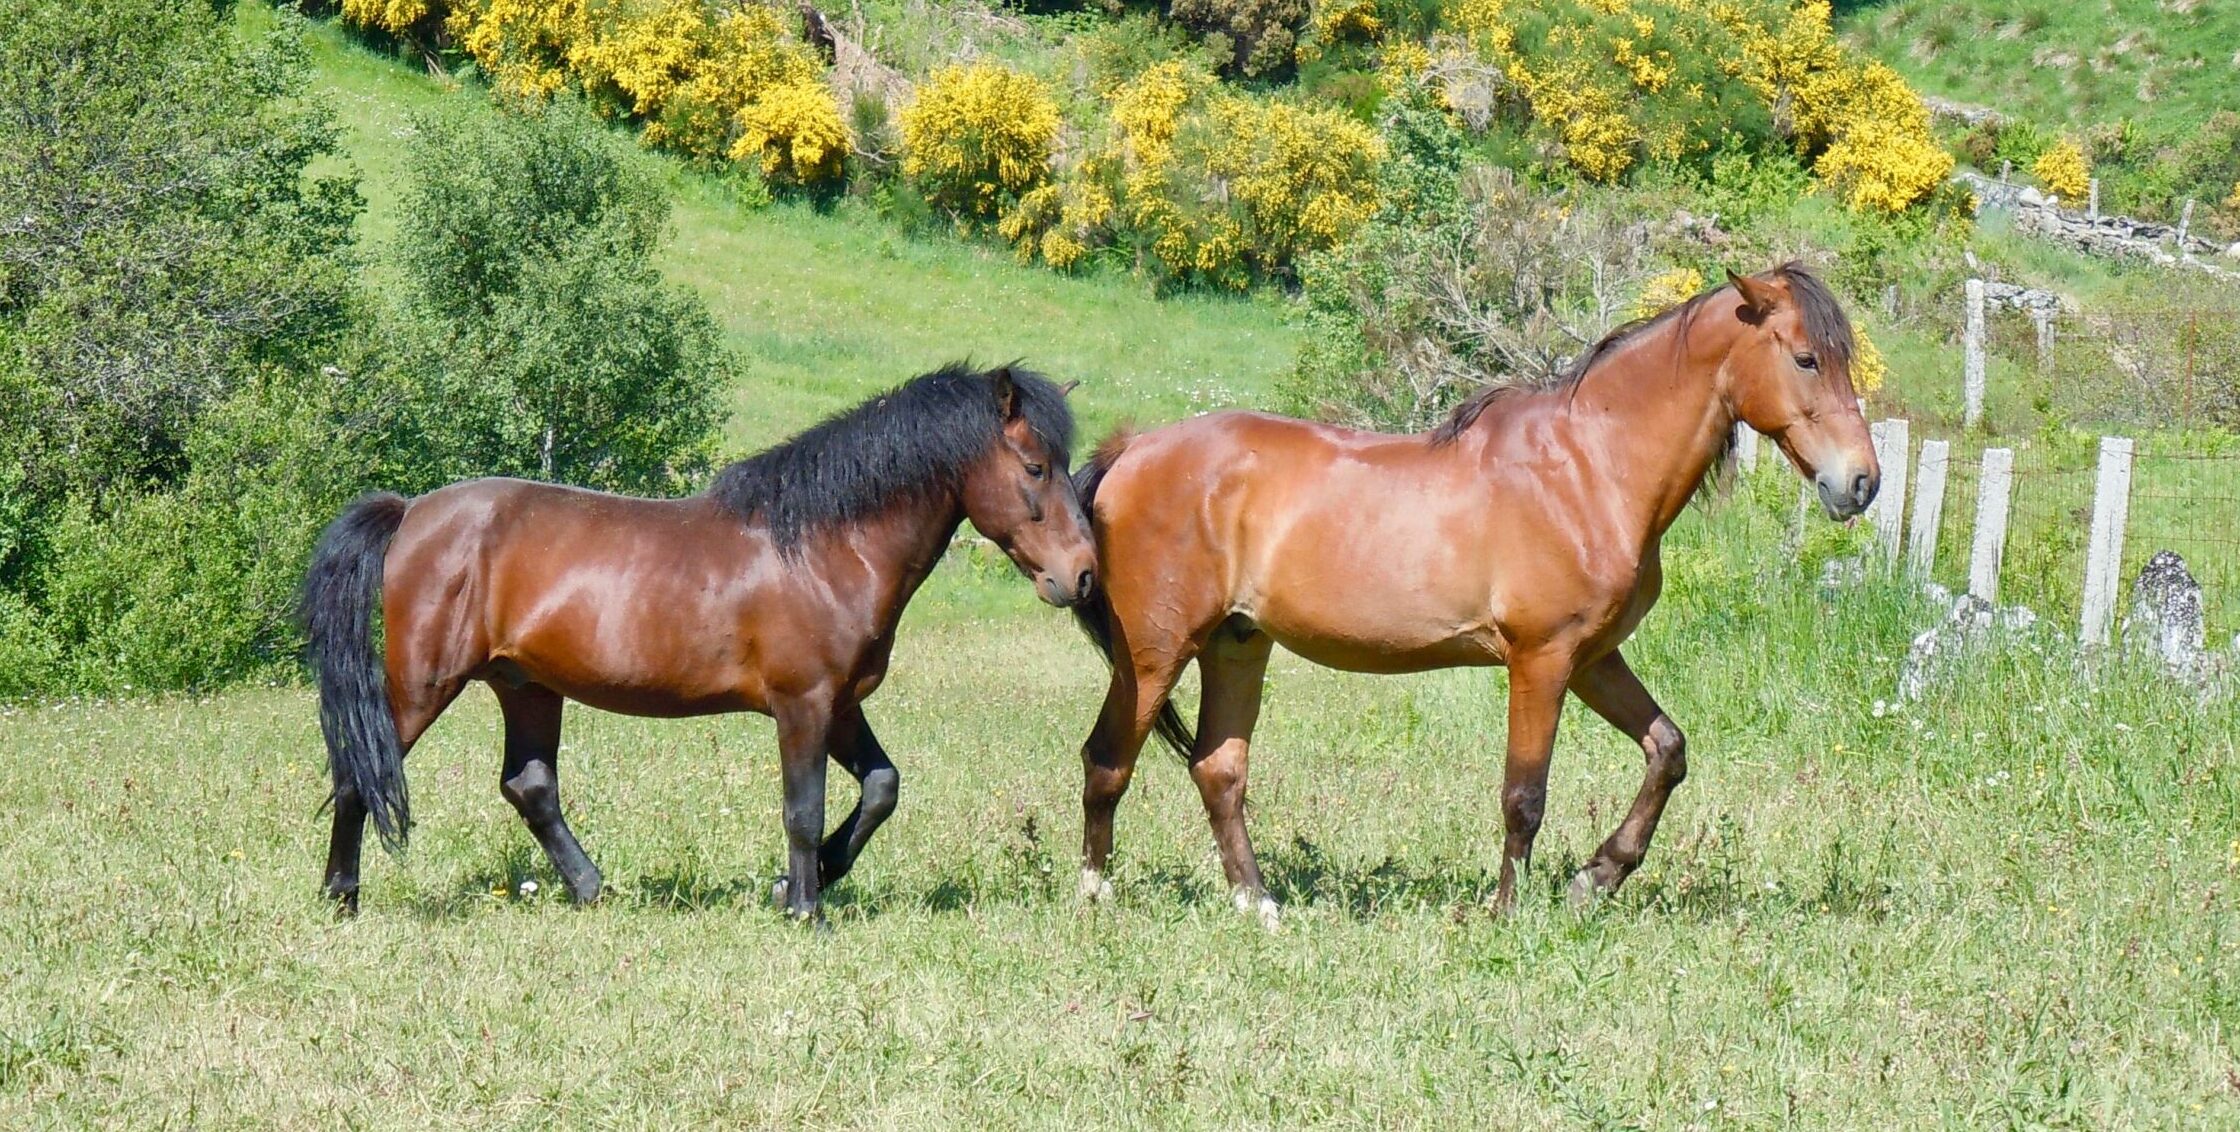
1892, 449
1991, 523
2185, 223
2092, 210
1745, 447
1928, 506
1972, 355
2103, 560
2044, 319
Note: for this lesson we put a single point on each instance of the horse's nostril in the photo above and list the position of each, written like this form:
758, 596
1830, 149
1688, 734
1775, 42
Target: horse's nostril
1082, 584
1862, 488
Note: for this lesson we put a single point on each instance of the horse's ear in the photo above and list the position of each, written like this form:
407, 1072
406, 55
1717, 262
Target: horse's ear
1067, 389
1007, 394
1759, 298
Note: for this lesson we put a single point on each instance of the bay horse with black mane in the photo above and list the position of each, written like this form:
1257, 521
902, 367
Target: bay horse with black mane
776, 591
1524, 531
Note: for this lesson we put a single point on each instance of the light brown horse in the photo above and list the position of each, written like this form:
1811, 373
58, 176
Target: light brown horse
1524, 531
778, 592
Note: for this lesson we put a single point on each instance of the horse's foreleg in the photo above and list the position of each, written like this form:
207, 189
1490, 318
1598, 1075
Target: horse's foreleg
1234, 674
531, 781
857, 751
803, 726
1610, 688
1108, 759
1536, 686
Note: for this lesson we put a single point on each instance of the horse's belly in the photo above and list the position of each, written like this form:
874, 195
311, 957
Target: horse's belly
1357, 639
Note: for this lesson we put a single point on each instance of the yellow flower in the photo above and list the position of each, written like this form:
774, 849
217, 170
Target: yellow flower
2063, 168
978, 133
1667, 289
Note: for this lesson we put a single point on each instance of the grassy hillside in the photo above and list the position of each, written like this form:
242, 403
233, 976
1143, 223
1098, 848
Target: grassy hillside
829, 308
2164, 63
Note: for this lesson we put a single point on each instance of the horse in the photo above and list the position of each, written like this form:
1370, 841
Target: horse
1523, 531
777, 590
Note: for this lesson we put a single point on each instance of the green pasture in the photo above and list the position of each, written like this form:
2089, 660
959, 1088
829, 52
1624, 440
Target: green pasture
2014, 903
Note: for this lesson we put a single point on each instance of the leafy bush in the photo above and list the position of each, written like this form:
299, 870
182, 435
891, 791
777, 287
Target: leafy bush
196, 378
161, 241
1255, 38
978, 137
540, 330
1466, 275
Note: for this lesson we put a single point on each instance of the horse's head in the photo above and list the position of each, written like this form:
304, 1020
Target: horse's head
1020, 496
1789, 377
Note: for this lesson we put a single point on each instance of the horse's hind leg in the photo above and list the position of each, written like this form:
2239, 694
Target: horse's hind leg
1610, 688
1234, 670
346, 845
857, 751
531, 781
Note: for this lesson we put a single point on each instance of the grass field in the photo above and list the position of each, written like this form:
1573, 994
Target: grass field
2014, 904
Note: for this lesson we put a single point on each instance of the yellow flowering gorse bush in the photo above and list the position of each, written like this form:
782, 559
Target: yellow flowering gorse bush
1211, 184
1611, 81
396, 17
978, 136
2063, 168
735, 85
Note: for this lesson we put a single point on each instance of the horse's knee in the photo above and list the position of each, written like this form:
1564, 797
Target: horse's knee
882, 788
1667, 748
1103, 785
1522, 808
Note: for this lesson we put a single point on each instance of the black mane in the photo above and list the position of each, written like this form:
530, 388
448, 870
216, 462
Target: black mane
907, 443
1824, 323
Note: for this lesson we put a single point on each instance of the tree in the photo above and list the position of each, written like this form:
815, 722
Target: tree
160, 240
539, 333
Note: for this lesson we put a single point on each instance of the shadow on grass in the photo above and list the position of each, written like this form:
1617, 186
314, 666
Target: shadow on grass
1700, 878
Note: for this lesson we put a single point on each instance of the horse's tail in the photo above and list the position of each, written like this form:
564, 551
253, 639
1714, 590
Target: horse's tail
1094, 614
340, 594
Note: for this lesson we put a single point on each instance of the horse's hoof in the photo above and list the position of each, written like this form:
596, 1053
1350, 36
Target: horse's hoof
345, 904
1585, 891
1261, 906
1095, 889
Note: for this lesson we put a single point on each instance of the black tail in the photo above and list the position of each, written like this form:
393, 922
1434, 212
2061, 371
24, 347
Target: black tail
1094, 615
340, 594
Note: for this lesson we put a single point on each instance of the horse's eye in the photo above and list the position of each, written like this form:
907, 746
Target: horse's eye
1807, 361
1035, 470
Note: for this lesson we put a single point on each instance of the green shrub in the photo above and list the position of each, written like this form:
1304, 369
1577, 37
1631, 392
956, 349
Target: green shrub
538, 334
1254, 38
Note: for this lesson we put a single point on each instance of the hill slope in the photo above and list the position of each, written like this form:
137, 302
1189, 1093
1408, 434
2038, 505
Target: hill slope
827, 308
2165, 64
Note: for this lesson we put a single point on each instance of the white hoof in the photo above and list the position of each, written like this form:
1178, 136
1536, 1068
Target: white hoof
1262, 907
1584, 891
1095, 888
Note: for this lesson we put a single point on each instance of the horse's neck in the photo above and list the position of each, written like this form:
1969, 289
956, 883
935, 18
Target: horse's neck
1658, 418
